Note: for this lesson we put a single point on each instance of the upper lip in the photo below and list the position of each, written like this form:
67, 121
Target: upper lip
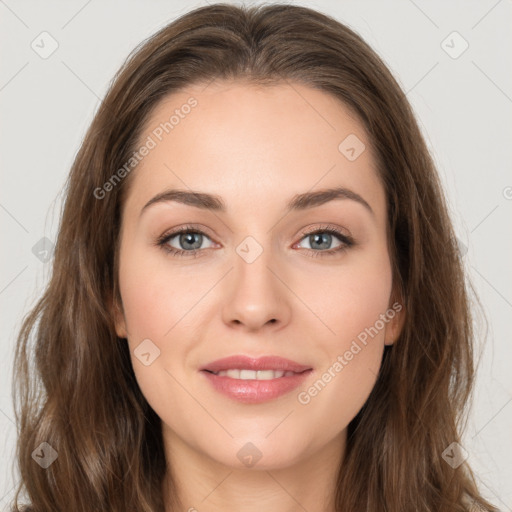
242, 362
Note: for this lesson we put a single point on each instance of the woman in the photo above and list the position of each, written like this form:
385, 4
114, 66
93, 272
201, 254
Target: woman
253, 371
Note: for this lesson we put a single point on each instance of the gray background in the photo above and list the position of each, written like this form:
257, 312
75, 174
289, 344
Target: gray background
463, 104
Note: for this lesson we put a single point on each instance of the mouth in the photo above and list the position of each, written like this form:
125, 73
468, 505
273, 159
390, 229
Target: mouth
251, 381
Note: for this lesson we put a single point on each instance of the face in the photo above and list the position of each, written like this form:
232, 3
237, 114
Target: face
252, 279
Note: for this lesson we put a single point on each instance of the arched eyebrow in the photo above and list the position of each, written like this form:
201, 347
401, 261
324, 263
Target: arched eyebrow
215, 203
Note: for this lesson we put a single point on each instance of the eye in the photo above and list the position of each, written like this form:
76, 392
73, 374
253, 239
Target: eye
322, 238
190, 239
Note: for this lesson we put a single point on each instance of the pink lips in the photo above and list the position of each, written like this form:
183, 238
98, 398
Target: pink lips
255, 391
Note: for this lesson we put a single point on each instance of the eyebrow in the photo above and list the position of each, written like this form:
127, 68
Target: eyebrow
215, 203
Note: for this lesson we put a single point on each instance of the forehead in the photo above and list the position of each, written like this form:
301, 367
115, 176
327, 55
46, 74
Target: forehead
254, 145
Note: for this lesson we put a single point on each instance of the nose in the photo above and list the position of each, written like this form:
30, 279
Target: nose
256, 295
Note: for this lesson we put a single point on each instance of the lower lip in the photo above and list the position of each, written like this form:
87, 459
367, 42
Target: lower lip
256, 391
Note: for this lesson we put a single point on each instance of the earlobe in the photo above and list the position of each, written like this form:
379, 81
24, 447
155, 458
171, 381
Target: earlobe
117, 314
119, 321
395, 325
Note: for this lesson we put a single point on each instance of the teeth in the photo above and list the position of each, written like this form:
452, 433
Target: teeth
254, 375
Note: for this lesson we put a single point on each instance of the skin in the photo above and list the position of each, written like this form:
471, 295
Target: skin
257, 148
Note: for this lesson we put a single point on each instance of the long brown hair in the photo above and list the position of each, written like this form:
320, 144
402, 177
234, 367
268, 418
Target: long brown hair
75, 388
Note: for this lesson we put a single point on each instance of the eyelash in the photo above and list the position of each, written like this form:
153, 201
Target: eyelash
345, 239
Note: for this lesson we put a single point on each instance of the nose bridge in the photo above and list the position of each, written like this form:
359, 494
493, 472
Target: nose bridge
254, 257
256, 293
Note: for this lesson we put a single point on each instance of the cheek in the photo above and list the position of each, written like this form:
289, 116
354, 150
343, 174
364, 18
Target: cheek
349, 298
162, 303
156, 301
156, 294
351, 303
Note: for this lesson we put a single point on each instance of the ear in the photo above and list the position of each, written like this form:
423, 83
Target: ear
396, 314
116, 312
